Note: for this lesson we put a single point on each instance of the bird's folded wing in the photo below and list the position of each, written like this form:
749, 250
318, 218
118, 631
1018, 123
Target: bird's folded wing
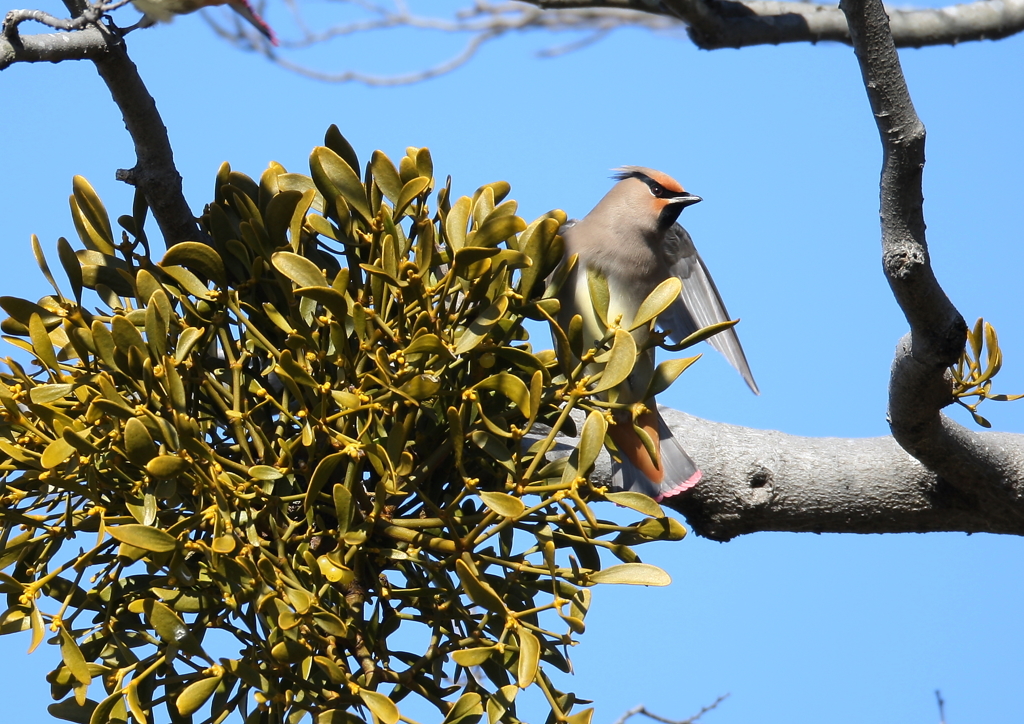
699, 304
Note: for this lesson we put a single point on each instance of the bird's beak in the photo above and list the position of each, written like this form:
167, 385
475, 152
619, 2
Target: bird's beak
685, 200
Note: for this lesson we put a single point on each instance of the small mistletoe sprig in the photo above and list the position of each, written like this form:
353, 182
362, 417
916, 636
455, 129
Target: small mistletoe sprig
972, 377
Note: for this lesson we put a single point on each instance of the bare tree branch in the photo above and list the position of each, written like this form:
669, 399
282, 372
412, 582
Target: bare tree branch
920, 385
711, 24
154, 173
763, 480
482, 22
87, 44
642, 710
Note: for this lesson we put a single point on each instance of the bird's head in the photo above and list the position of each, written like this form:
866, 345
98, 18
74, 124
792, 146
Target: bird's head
653, 195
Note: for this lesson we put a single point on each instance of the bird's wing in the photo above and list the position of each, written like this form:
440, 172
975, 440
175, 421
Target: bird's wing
699, 304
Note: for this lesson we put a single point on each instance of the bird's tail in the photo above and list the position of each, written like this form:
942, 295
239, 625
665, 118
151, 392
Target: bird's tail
247, 11
637, 472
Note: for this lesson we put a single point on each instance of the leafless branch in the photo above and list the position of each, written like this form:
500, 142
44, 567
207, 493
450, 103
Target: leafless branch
154, 173
90, 16
942, 707
642, 710
375, 80
764, 480
711, 24
920, 384
86, 44
482, 22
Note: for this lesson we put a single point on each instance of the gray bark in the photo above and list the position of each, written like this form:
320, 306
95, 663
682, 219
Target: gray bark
762, 480
714, 24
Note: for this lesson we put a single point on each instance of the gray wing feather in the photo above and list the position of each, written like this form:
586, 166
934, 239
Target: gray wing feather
699, 304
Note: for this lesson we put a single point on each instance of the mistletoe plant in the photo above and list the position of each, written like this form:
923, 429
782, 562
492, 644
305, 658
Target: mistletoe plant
258, 468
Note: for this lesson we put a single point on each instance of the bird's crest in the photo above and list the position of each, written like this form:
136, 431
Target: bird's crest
645, 174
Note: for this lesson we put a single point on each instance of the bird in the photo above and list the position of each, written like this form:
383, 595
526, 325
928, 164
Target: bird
164, 10
633, 239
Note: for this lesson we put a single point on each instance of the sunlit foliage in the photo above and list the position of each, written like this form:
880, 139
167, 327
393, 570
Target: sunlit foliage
238, 480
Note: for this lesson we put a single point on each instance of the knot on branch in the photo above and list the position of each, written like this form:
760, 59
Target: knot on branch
904, 261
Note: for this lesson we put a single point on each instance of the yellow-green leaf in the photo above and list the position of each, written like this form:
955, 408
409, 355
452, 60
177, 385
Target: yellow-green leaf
474, 656
333, 177
55, 453
385, 175
634, 574
428, 344
22, 310
321, 475
186, 341
138, 443
126, 335
421, 387
104, 713
637, 501
511, 387
331, 625
72, 267
664, 528
467, 710
505, 505
480, 592
581, 717
499, 702
455, 223
620, 363
45, 394
496, 230
381, 706
79, 441
591, 440
299, 269
196, 694
73, 657
145, 537
38, 628
200, 258
600, 296
658, 301
166, 466
265, 472
667, 372
331, 298
529, 657
41, 343
479, 328
410, 191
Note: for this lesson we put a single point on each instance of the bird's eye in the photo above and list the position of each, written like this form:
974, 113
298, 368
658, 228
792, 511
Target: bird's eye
658, 190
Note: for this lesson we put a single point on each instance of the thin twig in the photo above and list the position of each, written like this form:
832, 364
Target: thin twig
90, 16
711, 24
643, 710
942, 707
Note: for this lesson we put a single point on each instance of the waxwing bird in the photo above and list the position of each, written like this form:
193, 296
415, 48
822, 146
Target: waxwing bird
164, 10
631, 237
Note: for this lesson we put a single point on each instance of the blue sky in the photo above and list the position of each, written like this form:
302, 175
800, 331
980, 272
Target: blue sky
781, 145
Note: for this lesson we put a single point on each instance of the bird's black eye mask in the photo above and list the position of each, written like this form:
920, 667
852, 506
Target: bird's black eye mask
657, 190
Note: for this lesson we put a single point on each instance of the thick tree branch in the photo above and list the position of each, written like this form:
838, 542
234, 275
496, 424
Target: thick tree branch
87, 44
920, 385
763, 480
728, 24
154, 172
